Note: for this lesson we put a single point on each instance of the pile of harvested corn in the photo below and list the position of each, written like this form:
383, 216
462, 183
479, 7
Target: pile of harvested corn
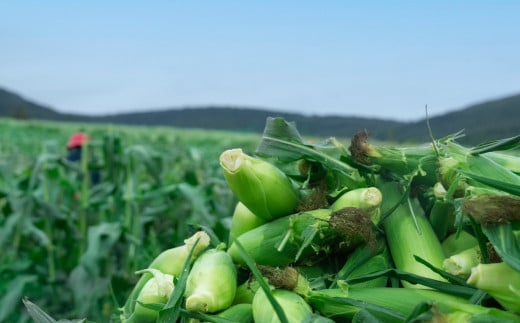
322, 233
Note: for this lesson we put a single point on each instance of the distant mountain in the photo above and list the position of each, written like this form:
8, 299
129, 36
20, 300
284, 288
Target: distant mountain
247, 119
15, 106
484, 121
489, 120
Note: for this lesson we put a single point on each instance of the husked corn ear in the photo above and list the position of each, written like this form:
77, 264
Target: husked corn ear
298, 236
262, 187
242, 313
293, 305
458, 242
157, 290
212, 282
168, 262
500, 281
460, 264
242, 221
409, 233
368, 199
278, 243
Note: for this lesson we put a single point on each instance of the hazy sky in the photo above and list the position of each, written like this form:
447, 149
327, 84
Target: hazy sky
383, 59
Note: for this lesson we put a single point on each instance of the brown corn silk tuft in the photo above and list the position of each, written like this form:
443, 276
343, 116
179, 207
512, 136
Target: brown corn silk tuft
355, 226
286, 278
492, 209
359, 147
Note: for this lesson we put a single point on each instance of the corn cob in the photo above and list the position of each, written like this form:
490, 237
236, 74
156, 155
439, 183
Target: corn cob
288, 239
259, 185
211, 283
409, 234
293, 305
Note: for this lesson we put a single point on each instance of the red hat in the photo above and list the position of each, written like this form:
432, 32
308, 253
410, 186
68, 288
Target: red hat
77, 140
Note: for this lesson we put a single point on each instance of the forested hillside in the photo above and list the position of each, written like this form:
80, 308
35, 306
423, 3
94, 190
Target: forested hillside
484, 121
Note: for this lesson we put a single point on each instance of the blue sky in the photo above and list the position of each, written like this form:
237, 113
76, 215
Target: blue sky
385, 59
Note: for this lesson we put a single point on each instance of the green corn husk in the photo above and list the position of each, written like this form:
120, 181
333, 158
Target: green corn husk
500, 281
442, 218
455, 312
476, 170
157, 290
365, 260
317, 275
442, 213
288, 239
409, 233
246, 291
293, 305
168, 262
287, 278
259, 185
398, 304
242, 313
458, 242
418, 161
506, 160
242, 221
376, 263
401, 301
277, 243
211, 283
368, 199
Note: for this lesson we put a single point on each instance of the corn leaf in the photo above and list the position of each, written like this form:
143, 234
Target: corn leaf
250, 263
507, 187
464, 291
449, 277
369, 312
496, 145
356, 259
204, 317
40, 316
282, 141
478, 297
171, 310
421, 312
36, 313
503, 239
13, 293
308, 235
364, 316
316, 318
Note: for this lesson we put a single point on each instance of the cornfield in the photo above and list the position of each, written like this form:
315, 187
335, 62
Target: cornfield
71, 246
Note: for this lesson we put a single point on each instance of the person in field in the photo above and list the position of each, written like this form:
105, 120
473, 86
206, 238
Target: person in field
75, 146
